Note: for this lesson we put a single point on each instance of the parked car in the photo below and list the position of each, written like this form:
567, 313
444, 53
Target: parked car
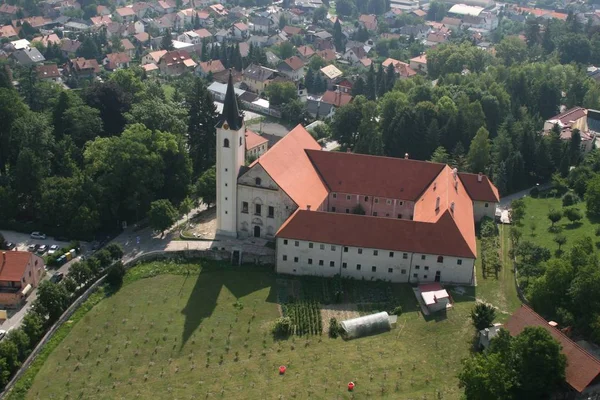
10, 246
38, 235
42, 249
57, 277
32, 247
53, 249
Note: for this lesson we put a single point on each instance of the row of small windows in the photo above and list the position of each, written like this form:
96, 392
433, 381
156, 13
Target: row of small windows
440, 259
333, 209
258, 209
226, 142
375, 200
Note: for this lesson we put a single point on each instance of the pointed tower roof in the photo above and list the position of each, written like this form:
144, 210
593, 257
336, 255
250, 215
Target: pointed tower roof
231, 113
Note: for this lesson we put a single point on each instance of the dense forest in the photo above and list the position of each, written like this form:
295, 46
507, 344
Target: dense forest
74, 163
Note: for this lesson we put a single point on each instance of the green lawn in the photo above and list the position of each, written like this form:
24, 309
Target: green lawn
536, 214
206, 334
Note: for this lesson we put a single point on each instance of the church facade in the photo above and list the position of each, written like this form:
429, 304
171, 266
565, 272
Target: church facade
347, 214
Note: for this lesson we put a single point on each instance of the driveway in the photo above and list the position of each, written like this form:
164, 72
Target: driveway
506, 200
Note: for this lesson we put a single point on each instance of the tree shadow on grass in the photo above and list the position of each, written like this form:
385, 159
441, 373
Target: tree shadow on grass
240, 281
573, 225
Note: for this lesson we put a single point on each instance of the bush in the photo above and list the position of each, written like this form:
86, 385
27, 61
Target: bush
534, 192
282, 327
573, 214
115, 275
569, 199
334, 328
598, 231
488, 227
397, 310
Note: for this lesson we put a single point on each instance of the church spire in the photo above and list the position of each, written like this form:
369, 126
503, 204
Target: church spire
231, 113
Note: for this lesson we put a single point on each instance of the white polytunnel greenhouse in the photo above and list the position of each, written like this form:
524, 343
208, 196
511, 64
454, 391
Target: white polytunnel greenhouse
365, 326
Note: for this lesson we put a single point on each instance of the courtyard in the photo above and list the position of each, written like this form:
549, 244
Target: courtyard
203, 330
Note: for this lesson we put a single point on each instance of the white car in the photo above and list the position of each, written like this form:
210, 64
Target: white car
38, 235
53, 249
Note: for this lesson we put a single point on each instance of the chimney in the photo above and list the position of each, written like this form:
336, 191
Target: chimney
479, 177
454, 173
308, 207
452, 208
406, 156
348, 150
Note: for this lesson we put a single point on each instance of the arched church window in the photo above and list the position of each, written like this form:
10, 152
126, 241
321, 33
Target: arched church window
225, 142
258, 181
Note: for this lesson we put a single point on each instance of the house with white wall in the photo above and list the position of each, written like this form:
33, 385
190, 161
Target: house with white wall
346, 214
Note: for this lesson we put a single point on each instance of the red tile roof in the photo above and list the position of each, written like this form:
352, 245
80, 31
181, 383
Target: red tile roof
289, 166
394, 178
213, 66
327, 55
305, 51
203, 33
253, 140
12, 268
292, 30
480, 191
441, 238
125, 11
570, 116
369, 21
295, 63
7, 31
582, 367
338, 99
47, 71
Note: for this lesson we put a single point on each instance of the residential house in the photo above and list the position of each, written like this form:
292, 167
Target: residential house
368, 21
210, 67
35, 22
101, 20
240, 31
48, 72
436, 38
20, 273
222, 35
419, 63
272, 59
344, 85
582, 372
21, 44
331, 74
8, 32
142, 38
69, 47
46, 40
355, 54
115, 61
126, 14
190, 37
402, 69
256, 145
452, 23
82, 68
219, 10
292, 67
164, 7
327, 55
587, 122
262, 25
176, 62
28, 56
244, 49
151, 69
419, 32
128, 47
8, 11
305, 52
115, 29
205, 19
185, 18
257, 78
365, 62
292, 30
140, 8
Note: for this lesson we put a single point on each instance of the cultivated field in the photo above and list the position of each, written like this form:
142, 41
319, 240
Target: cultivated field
185, 331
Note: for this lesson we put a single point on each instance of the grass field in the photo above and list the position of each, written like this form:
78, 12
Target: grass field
536, 214
204, 332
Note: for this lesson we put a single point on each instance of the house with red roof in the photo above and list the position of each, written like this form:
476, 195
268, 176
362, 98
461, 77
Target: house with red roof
582, 373
20, 273
587, 122
353, 215
292, 67
48, 72
176, 62
126, 14
115, 61
210, 67
256, 145
369, 21
240, 30
82, 68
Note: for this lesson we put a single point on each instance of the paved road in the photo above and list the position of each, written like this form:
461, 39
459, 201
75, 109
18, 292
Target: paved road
22, 240
270, 128
506, 200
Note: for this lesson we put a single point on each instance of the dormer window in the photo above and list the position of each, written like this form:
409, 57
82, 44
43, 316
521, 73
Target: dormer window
225, 142
258, 181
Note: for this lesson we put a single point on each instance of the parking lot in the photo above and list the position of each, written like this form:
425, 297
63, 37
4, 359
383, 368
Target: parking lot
22, 241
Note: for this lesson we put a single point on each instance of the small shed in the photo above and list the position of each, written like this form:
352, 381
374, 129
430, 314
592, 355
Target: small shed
435, 297
487, 334
365, 326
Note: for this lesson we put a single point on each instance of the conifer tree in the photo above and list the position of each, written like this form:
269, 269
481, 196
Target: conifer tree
201, 129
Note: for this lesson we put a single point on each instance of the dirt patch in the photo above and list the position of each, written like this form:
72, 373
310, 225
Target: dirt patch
203, 225
341, 312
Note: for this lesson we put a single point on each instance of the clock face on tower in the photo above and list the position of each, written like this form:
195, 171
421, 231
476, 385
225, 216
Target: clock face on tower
225, 126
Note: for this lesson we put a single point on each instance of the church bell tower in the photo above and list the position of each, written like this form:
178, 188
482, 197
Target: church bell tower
231, 156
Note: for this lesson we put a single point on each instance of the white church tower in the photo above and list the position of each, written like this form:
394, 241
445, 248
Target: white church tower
231, 156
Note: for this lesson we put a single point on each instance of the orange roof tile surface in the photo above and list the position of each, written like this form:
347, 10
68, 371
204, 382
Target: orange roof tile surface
338, 99
289, 166
582, 367
480, 191
253, 140
12, 268
394, 178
